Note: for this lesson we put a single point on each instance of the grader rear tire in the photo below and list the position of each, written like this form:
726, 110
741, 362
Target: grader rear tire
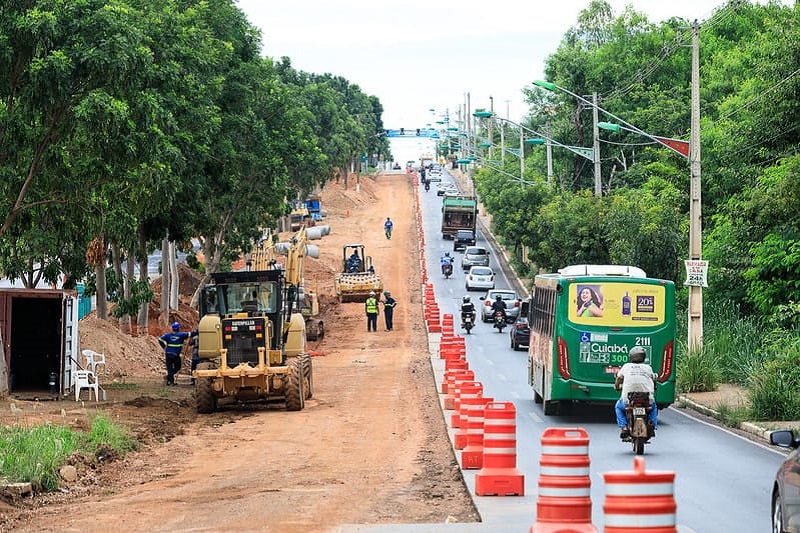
205, 400
295, 396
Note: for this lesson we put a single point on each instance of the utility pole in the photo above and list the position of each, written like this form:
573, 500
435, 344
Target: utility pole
491, 137
695, 325
549, 153
598, 183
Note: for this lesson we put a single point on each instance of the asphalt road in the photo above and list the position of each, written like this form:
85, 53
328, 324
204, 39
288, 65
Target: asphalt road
722, 480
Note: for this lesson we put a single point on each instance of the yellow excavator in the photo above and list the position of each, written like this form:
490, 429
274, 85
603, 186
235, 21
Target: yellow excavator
307, 303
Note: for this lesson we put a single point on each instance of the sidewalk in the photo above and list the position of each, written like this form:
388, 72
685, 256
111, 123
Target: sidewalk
727, 396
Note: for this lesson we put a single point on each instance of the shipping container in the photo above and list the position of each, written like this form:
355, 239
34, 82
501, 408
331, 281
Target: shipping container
39, 330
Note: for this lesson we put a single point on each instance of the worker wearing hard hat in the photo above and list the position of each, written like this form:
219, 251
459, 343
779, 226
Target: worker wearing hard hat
371, 307
389, 304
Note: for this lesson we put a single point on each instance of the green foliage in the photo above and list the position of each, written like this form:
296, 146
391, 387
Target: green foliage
697, 370
732, 342
194, 263
773, 391
35, 454
105, 434
141, 293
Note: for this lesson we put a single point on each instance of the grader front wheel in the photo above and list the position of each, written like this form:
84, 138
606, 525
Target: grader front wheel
205, 400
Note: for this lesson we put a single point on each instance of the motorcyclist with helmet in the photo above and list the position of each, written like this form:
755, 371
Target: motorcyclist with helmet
498, 305
447, 261
635, 376
467, 309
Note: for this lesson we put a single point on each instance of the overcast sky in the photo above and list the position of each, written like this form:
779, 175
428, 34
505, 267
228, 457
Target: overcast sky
418, 55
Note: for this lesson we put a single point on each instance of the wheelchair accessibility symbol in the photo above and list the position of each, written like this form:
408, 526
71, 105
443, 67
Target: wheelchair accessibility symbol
585, 336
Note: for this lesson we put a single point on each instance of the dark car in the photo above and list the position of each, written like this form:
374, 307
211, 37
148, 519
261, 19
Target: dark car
462, 239
786, 489
520, 332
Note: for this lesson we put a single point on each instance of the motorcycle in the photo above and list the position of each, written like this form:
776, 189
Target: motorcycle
447, 270
427, 186
468, 321
640, 426
499, 321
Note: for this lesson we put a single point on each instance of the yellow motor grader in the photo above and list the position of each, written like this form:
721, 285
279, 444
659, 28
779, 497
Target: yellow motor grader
252, 338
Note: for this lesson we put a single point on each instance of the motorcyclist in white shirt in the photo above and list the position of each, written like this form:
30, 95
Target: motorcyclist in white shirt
635, 376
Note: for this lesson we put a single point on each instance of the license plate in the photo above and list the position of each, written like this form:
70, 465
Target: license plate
639, 411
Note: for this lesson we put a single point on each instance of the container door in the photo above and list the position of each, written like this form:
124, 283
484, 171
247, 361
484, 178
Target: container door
69, 351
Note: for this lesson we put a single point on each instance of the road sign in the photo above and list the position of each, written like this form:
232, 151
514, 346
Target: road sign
696, 273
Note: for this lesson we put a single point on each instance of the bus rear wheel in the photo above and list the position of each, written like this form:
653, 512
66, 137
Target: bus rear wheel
550, 407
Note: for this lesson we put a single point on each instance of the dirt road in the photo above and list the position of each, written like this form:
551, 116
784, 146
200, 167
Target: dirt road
370, 447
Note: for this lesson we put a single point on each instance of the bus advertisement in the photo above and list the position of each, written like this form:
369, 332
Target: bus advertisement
584, 321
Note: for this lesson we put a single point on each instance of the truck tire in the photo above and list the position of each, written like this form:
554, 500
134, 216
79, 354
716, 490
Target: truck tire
205, 400
295, 397
308, 374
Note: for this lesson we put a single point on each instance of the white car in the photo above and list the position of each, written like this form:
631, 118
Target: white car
451, 191
480, 278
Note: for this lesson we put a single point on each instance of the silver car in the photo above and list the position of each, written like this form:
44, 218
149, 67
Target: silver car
509, 297
474, 256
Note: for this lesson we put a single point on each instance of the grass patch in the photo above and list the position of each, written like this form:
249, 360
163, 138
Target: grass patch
732, 416
35, 454
697, 371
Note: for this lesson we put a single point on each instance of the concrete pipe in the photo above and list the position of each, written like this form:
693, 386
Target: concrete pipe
315, 233
282, 248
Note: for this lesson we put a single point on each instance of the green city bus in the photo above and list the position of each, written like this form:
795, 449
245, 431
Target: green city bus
584, 320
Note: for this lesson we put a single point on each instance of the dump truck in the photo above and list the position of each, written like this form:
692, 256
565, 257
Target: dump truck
458, 212
357, 278
251, 342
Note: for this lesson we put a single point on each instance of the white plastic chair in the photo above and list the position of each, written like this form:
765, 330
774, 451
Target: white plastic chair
85, 379
93, 359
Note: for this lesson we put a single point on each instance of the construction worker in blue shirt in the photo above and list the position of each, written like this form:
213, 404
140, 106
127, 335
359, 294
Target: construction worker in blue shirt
387, 227
173, 346
389, 304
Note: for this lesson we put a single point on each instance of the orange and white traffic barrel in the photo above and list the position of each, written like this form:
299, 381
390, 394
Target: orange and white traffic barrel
564, 502
499, 475
466, 394
471, 423
640, 501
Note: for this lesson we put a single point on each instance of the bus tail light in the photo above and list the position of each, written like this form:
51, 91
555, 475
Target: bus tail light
563, 359
666, 362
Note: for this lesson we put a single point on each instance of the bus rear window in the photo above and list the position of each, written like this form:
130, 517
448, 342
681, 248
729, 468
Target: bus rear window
616, 304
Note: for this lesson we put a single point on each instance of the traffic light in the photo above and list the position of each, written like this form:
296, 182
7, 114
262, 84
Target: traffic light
402, 131
417, 132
